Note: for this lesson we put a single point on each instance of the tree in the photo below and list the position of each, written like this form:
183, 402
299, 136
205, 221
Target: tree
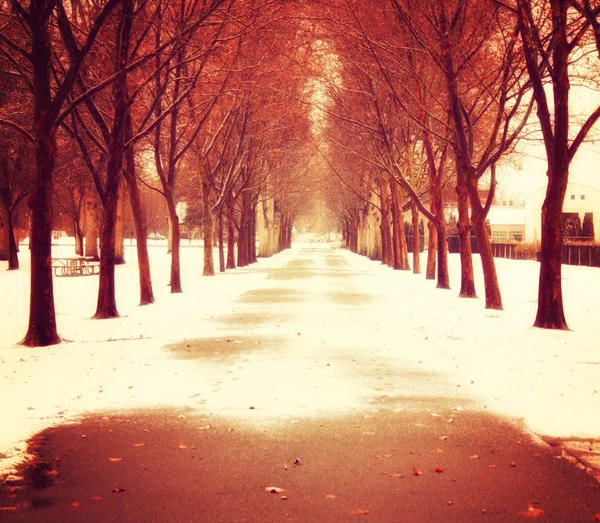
553, 32
51, 87
588, 226
474, 49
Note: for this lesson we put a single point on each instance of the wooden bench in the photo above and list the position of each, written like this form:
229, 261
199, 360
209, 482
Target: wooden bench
78, 266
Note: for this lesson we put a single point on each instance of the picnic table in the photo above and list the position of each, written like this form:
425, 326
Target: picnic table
76, 266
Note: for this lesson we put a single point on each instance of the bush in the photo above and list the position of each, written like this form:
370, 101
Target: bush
527, 250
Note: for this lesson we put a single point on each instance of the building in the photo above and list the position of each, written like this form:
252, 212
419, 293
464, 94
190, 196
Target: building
507, 222
580, 199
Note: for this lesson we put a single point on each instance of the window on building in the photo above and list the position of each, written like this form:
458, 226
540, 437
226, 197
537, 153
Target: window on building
499, 235
516, 236
583, 196
572, 197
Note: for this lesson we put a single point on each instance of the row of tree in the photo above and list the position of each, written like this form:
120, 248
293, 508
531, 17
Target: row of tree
429, 97
249, 110
188, 98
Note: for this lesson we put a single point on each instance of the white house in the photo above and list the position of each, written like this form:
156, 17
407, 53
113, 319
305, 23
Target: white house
580, 199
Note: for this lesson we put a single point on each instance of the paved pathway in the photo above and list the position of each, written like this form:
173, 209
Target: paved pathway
307, 417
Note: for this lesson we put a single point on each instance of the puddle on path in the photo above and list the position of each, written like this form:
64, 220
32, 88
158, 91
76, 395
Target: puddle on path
224, 347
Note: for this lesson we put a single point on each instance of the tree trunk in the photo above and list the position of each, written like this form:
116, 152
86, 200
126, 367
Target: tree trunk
252, 232
41, 330
107, 306
91, 229
467, 280
416, 238
431, 251
550, 310
207, 225
13, 250
443, 277
230, 239
221, 244
10, 240
387, 250
120, 228
493, 298
78, 238
396, 242
403, 244
139, 223
175, 231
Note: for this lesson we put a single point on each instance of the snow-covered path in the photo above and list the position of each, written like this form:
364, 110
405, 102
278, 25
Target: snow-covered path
311, 332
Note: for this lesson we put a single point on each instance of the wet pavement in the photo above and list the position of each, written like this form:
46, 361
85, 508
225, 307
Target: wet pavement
310, 414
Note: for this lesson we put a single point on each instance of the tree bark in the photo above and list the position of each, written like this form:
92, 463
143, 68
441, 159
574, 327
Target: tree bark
550, 312
431, 251
416, 238
107, 306
78, 238
120, 228
91, 229
230, 239
221, 243
10, 240
467, 279
139, 223
207, 226
41, 330
387, 251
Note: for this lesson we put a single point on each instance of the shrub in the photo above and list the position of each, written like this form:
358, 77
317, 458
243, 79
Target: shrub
527, 250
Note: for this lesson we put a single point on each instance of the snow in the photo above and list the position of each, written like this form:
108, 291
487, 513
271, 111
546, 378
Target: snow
267, 343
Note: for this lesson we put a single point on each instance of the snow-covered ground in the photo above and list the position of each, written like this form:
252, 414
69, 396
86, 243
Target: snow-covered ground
495, 359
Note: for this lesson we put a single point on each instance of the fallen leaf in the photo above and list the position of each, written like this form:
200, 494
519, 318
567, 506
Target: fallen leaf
458, 409
368, 433
358, 512
181, 445
437, 451
438, 469
474, 456
532, 512
443, 438
297, 462
597, 516
96, 498
512, 464
116, 490
274, 490
397, 476
492, 466
417, 472
434, 415
52, 473
114, 460
331, 496
138, 445
75, 504
7, 508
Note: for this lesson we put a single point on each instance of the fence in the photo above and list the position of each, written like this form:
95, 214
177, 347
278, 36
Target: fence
573, 254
